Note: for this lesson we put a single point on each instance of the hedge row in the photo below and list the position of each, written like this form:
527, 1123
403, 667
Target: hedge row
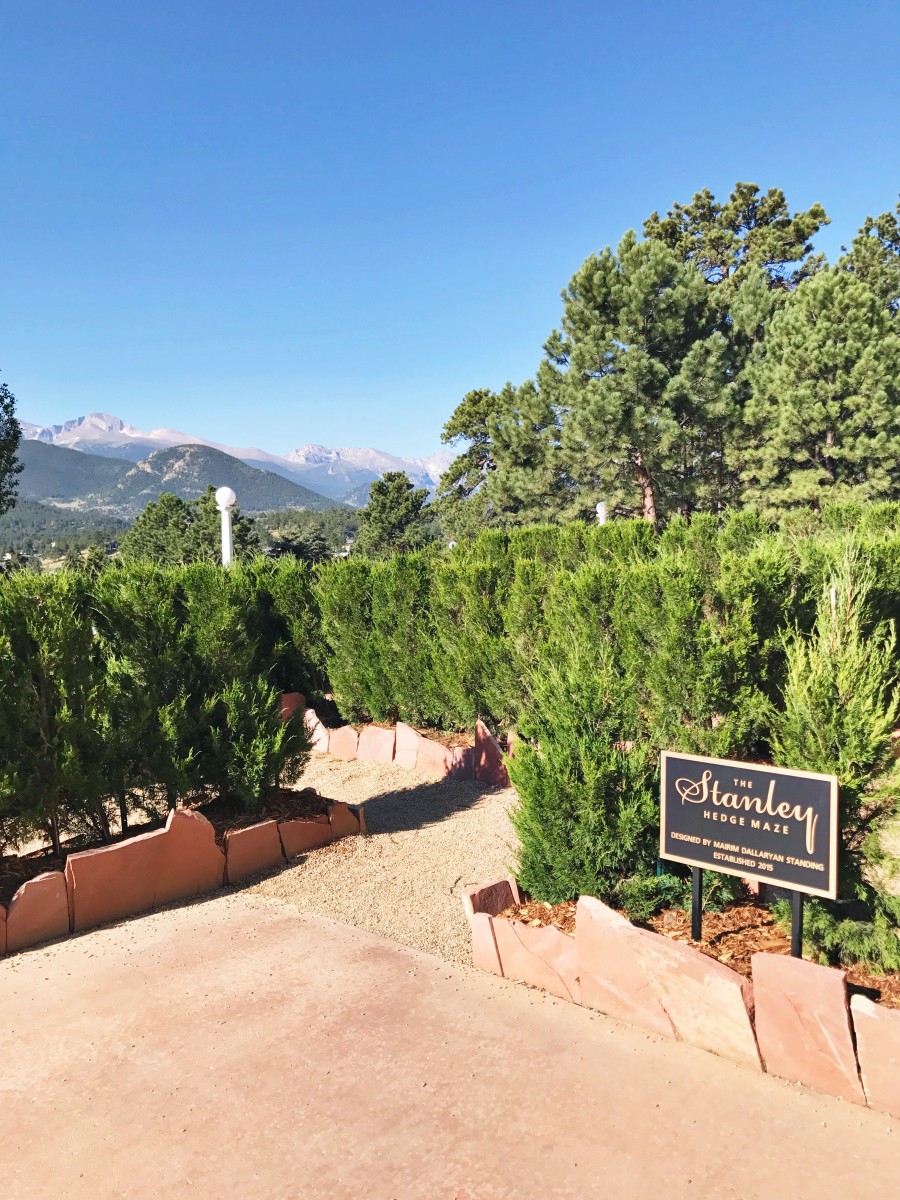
145, 687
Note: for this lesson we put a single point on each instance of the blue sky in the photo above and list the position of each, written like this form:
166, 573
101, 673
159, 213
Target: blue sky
279, 222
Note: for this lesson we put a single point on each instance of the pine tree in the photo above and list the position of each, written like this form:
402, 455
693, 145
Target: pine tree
10, 436
874, 257
395, 519
170, 532
641, 378
823, 419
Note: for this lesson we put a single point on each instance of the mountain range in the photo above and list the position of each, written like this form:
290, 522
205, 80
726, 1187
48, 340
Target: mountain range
340, 474
113, 486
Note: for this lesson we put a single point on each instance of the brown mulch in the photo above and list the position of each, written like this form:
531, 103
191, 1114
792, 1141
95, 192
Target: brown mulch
286, 805
533, 912
730, 937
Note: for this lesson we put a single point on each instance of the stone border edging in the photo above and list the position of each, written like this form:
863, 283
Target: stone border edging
793, 1019
406, 747
145, 872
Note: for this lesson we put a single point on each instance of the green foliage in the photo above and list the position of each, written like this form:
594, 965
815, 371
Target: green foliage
587, 818
839, 709
10, 439
395, 519
52, 696
171, 532
822, 418
252, 750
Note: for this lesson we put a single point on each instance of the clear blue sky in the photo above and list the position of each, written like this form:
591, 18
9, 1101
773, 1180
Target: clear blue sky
280, 222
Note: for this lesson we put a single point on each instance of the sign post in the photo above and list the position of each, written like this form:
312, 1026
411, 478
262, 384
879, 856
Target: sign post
763, 823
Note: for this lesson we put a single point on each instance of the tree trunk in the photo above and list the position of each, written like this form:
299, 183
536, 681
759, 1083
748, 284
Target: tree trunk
648, 500
54, 835
123, 811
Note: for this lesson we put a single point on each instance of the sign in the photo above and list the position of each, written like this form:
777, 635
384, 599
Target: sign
759, 822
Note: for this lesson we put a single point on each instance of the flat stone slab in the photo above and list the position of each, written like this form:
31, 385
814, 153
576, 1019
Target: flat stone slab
343, 743
543, 956
318, 734
38, 912
491, 898
709, 1005
344, 822
803, 1024
2, 930
485, 955
489, 765
289, 703
253, 849
613, 977
299, 837
877, 1030
115, 881
432, 758
376, 745
406, 748
191, 862
462, 762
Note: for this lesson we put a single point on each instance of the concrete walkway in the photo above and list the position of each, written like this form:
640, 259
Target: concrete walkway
236, 1048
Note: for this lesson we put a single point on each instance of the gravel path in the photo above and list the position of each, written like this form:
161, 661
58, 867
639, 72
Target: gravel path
427, 840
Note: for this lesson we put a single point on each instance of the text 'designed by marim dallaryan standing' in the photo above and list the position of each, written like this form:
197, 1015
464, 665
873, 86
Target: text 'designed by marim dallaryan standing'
765, 823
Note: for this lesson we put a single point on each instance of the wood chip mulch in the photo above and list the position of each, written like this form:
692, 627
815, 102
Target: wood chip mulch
730, 937
535, 913
286, 805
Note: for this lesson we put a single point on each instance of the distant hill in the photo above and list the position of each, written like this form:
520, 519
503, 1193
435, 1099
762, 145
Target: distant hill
52, 473
76, 480
34, 527
187, 471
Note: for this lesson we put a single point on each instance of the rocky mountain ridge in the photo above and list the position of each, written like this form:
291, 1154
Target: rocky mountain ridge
335, 472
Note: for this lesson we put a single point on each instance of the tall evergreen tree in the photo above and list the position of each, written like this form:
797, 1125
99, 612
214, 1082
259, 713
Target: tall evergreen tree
10, 436
750, 228
170, 532
874, 257
639, 375
395, 519
823, 419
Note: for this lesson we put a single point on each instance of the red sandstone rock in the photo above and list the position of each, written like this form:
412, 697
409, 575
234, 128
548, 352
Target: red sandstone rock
252, 849
709, 1005
543, 956
318, 734
462, 762
343, 742
877, 1030
491, 898
803, 1024
343, 821
484, 944
432, 758
613, 977
38, 912
376, 745
489, 765
2, 930
298, 837
191, 861
289, 702
114, 881
406, 747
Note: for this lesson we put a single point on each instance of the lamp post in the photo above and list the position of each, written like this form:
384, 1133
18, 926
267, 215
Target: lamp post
225, 502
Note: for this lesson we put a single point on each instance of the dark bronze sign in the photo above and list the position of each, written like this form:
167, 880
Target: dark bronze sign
758, 822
